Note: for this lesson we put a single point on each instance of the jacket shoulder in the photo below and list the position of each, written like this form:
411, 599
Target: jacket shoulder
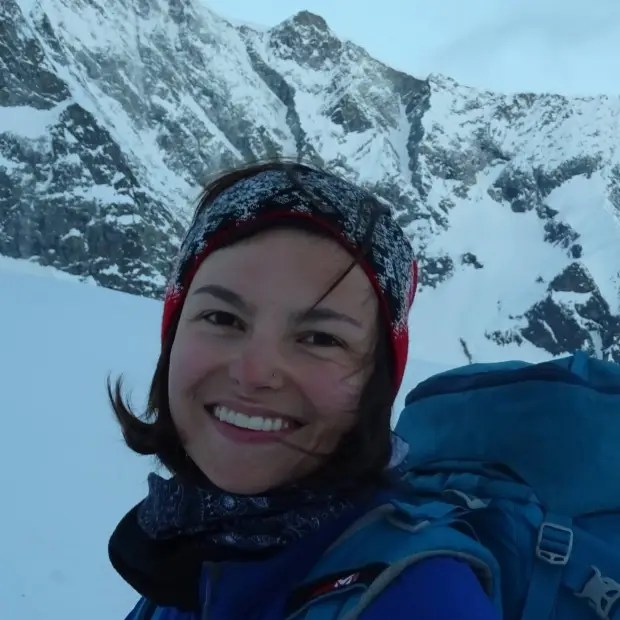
442, 588
387, 546
145, 609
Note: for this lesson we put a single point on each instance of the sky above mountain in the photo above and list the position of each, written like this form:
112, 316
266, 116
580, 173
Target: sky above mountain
569, 47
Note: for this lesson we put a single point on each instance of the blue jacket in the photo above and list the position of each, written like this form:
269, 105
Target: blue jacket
260, 589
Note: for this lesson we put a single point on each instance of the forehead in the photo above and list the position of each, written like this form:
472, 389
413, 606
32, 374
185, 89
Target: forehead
305, 262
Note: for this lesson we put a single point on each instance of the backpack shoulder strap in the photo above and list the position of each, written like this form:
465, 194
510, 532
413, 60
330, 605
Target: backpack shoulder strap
376, 549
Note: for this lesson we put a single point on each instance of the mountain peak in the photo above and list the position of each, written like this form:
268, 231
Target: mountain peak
306, 18
307, 39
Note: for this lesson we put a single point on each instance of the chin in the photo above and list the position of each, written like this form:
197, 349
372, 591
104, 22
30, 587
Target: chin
238, 483
243, 487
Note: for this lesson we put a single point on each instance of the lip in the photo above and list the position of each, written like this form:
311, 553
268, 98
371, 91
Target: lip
246, 435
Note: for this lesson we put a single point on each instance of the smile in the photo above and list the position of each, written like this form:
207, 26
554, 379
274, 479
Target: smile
258, 423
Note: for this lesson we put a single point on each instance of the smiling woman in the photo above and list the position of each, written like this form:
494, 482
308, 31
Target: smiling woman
284, 341
278, 379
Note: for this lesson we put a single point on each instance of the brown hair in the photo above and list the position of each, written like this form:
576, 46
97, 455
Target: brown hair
362, 454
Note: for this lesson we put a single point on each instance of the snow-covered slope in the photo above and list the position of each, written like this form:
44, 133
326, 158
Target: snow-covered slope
65, 474
115, 113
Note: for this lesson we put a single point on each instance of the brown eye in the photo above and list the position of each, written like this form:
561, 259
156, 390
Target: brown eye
321, 339
222, 319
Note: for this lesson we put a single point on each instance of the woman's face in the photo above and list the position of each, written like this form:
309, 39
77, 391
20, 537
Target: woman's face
259, 376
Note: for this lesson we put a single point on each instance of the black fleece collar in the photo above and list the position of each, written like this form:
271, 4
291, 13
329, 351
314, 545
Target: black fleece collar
166, 572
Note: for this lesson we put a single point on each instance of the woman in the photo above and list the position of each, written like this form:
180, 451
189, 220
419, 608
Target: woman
284, 342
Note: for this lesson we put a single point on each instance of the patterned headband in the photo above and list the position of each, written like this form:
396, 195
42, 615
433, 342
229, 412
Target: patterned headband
352, 216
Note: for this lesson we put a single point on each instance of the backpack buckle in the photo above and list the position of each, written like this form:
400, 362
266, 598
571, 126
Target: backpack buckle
555, 543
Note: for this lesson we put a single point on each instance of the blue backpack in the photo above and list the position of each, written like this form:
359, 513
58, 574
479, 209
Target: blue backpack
532, 453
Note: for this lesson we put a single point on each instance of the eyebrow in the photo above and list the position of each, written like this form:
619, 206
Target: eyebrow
224, 294
312, 314
326, 314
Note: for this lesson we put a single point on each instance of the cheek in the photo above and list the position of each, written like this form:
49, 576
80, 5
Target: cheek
334, 397
189, 363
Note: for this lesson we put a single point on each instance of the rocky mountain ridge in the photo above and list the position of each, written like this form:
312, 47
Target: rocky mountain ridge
113, 116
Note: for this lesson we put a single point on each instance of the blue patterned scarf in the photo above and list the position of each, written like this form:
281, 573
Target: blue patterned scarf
246, 522
243, 522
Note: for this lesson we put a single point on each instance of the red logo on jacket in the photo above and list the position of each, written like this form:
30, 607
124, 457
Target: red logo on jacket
331, 586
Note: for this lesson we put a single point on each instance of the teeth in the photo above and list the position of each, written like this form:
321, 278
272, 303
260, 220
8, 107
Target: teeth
255, 423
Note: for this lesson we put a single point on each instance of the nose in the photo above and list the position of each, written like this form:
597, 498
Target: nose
257, 365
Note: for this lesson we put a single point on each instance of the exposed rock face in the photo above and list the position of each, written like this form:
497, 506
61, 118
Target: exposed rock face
112, 116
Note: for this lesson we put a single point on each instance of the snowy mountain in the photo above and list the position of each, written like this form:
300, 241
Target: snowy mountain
66, 476
113, 114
